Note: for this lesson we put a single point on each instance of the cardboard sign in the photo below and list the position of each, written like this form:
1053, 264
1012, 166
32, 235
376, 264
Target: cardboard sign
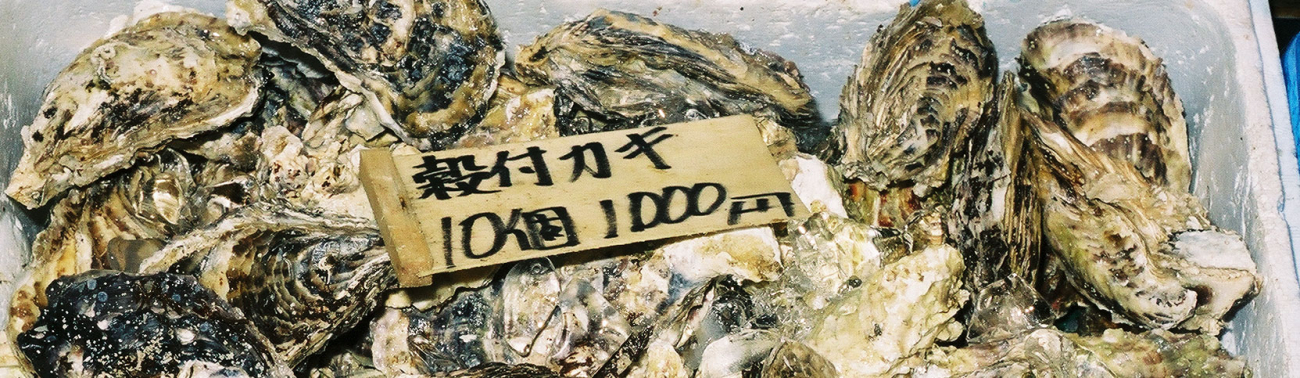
459, 209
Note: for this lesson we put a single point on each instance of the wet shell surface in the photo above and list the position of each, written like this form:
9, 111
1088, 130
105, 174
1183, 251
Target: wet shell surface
919, 90
1114, 193
103, 323
112, 224
996, 219
621, 70
425, 67
942, 205
1112, 94
169, 76
300, 278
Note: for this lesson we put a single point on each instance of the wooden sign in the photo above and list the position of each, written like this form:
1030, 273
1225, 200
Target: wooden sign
459, 209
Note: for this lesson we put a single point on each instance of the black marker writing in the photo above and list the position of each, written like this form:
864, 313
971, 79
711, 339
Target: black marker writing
542, 229
762, 203
661, 203
638, 145
579, 156
611, 218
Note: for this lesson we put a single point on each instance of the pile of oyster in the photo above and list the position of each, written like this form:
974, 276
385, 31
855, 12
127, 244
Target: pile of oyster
206, 217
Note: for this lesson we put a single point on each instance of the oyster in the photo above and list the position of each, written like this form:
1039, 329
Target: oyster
817, 184
1007, 308
169, 76
1116, 353
425, 67
615, 70
299, 278
112, 224
518, 113
996, 218
827, 256
456, 336
101, 323
919, 91
896, 314
1112, 94
765, 353
1109, 214
749, 254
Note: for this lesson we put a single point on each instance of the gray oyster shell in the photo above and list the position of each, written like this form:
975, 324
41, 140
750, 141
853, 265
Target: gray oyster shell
1115, 353
169, 76
455, 336
300, 149
300, 278
919, 90
114, 223
425, 67
1107, 213
102, 323
997, 220
621, 70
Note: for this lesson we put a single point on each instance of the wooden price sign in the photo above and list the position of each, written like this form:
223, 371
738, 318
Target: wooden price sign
459, 209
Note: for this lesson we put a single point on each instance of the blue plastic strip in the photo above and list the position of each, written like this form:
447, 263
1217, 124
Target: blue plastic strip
1291, 74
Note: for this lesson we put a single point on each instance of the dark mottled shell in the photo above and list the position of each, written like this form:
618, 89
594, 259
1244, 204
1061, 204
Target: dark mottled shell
996, 217
426, 66
102, 323
300, 278
112, 224
918, 92
120, 99
622, 70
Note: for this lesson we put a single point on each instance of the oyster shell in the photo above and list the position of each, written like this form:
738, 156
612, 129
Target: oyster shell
169, 76
896, 314
621, 70
827, 256
518, 113
1112, 94
425, 67
996, 218
755, 351
112, 224
1108, 214
1116, 353
300, 278
919, 90
111, 324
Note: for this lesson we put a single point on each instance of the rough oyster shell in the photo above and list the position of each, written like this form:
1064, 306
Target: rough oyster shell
169, 76
1109, 214
112, 224
763, 352
300, 278
425, 67
518, 113
111, 324
996, 218
895, 315
1112, 94
622, 70
1116, 353
919, 90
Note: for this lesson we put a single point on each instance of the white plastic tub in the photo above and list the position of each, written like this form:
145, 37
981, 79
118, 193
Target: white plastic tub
1221, 57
